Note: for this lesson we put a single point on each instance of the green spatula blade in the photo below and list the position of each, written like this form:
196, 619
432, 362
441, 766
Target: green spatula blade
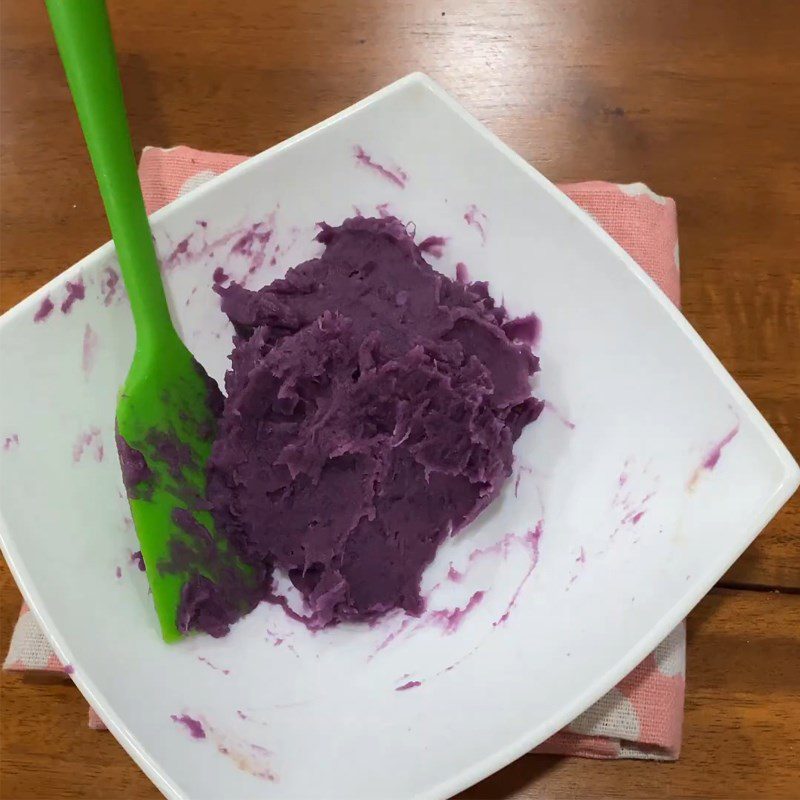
162, 413
164, 401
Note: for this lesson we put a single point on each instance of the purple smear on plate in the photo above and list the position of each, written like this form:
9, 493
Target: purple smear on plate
561, 418
396, 176
194, 726
475, 218
44, 310
532, 540
138, 559
108, 286
714, 454
90, 342
75, 291
11, 442
451, 618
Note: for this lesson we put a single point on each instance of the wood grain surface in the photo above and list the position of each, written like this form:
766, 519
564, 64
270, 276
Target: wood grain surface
701, 100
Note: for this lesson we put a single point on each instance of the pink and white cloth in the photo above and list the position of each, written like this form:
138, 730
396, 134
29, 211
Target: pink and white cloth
642, 716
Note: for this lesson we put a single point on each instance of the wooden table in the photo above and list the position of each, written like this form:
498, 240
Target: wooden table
699, 99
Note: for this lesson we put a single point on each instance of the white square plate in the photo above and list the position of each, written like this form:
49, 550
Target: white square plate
668, 474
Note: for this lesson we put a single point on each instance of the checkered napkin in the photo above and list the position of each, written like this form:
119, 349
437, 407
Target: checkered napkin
642, 716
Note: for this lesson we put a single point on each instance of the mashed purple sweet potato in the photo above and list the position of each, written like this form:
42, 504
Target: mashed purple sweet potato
372, 405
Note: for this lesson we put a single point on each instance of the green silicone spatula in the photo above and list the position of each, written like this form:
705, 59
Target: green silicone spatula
163, 410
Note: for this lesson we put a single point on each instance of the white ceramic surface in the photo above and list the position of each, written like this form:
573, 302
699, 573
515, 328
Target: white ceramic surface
647, 398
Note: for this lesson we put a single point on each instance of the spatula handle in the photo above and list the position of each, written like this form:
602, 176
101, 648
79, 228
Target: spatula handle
83, 35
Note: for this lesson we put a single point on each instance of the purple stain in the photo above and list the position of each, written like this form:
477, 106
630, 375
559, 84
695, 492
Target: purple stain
108, 285
526, 330
252, 239
561, 418
390, 638
500, 547
202, 223
69, 669
454, 575
90, 440
459, 660
183, 251
581, 559
462, 273
532, 540
118, 572
246, 756
383, 210
433, 245
75, 292
713, 455
633, 510
90, 342
396, 176
475, 218
11, 442
357, 211
138, 560
178, 253
194, 726
623, 501
450, 619
213, 666
241, 714
409, 685
44, 311
253, 245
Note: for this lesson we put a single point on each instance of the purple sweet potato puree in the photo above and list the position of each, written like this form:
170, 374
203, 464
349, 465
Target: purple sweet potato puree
371, 410
135, 472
